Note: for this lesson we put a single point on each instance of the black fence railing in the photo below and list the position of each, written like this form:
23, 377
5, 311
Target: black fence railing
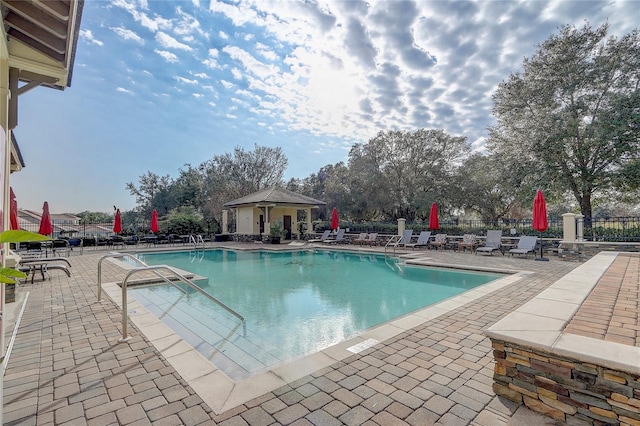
452, 227
614, 229
621, 229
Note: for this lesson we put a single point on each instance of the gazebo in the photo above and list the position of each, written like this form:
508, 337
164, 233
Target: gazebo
257, 212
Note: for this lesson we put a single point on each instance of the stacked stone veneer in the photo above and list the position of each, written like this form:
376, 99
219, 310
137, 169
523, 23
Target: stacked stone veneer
578, 393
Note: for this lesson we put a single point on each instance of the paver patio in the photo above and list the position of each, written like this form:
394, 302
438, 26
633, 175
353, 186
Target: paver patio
67, 366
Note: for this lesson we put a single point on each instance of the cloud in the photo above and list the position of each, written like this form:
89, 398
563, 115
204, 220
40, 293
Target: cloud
88, 36
185, 80
123, 90
127, 34
167, 56
358, 43
153, 24
168, 42
249, 63
188, 25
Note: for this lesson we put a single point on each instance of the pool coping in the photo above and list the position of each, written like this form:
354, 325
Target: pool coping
540, 323
222, 393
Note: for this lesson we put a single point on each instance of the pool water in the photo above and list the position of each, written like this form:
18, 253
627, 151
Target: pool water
294, 303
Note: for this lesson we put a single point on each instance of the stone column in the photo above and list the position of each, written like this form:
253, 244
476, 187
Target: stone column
225, 221
401, 226
580, 219
569, 227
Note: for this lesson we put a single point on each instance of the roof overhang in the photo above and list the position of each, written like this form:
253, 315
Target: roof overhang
42, 36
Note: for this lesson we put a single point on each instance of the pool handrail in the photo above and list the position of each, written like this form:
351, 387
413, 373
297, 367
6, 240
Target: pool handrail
197, 242
135, 259
154, 268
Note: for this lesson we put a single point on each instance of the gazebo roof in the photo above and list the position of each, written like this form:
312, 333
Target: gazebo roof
275, 196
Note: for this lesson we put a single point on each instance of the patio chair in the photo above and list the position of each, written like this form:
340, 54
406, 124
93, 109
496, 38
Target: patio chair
362, 238
526, 245
492, 243
423, 240
117, 241
324, 236
76, 243
468, 242
60, 248
405, 239
372, 239
440, 241
43, 265
338, 239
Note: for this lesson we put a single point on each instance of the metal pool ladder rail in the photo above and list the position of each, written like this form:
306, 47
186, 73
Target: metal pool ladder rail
154, 269
393, 242
197, 241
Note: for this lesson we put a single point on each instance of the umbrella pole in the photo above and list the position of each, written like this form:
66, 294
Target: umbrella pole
541, 258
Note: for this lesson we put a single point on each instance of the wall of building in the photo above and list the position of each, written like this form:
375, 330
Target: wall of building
245, 221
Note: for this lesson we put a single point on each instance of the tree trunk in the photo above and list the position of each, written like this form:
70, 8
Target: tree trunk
585, 205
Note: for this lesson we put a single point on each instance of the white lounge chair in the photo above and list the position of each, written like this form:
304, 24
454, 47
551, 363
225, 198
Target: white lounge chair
492, 243
405, 239
526, 245
339, 238
324, 236
423, 240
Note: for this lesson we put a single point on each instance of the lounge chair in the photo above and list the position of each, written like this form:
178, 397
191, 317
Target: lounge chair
324, 236
372, 239
492, 243
60, 247
43, 265
117, 241
405, 239
338, 239
76, 243
423, 240
526, 245
362, 238
468, 242
440, 241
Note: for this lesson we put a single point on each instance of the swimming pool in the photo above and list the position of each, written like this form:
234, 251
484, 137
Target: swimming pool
294, 303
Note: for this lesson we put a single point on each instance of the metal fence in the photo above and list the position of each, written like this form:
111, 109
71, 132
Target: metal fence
614, 229
622, 229
63, 229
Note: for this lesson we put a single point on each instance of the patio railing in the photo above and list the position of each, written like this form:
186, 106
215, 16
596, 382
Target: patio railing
613, 229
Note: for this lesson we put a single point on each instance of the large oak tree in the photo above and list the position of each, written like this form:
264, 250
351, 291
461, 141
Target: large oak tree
572, 112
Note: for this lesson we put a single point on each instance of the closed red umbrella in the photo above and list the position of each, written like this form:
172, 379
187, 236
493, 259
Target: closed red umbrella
433, 217
46, 228
335, 220
539, 219
117, 222
13, 212
154, 222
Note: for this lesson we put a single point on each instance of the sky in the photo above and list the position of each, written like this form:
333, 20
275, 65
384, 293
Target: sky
157, 85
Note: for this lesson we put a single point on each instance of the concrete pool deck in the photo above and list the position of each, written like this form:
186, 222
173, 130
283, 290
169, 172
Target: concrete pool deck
68, 367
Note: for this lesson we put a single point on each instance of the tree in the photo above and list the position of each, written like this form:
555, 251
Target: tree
188, 188
482, 187
230, 176
573, 110
152, 188
410, 169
